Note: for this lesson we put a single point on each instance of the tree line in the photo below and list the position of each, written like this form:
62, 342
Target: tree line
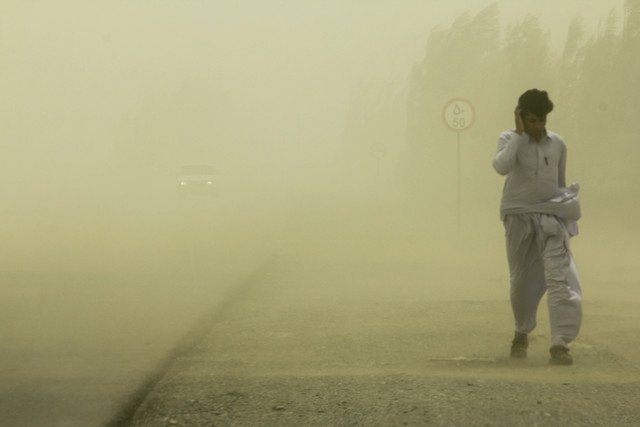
594, 82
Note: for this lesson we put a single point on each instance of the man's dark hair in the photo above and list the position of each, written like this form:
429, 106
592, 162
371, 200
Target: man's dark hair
536, 102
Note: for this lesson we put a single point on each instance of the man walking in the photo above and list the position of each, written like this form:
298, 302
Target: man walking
539, 213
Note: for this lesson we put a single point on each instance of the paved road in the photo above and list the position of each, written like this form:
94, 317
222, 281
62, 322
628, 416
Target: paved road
362, 317
93, 302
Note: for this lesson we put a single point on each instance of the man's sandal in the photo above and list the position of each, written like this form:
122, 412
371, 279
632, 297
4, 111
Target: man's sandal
519, 346
560, 355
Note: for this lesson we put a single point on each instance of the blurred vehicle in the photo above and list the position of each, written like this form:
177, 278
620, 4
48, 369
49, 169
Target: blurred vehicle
197, 180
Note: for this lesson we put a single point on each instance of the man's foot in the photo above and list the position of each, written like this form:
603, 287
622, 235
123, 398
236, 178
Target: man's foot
519, 346
560, 355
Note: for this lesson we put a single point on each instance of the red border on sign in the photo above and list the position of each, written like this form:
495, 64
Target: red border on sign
444, 115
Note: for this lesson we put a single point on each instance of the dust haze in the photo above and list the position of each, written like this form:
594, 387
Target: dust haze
323, 122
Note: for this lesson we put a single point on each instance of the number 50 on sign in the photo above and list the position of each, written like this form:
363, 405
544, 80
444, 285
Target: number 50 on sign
458, 114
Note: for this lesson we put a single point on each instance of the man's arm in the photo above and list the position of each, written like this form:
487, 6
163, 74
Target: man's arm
562, 166
508, 145
507, 150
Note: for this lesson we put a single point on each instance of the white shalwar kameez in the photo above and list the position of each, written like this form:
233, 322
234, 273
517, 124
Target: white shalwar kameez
539, 214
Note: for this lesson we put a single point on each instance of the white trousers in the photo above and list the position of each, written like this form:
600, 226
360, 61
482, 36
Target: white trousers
540, 261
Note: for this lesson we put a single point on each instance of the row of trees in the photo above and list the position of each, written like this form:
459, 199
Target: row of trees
594, 82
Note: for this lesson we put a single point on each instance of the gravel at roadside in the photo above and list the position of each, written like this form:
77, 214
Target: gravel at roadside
321, 345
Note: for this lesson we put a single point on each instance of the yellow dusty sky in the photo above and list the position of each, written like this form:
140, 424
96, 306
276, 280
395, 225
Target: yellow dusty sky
282, 68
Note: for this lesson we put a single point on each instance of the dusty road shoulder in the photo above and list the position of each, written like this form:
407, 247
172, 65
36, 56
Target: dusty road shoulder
318, 344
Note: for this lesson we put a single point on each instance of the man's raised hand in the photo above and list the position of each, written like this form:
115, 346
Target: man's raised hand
519, 122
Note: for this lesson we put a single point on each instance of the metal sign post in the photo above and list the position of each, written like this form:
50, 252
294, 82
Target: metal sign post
458, 115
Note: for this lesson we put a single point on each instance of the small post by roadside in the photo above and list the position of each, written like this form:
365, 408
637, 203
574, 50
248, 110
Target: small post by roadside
458, 115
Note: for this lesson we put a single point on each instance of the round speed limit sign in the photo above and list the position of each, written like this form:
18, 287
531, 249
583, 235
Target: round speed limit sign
458, 114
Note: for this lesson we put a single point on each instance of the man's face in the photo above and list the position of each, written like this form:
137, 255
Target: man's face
534, 125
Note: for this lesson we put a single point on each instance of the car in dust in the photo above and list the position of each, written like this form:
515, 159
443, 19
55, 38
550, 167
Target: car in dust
197, 180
